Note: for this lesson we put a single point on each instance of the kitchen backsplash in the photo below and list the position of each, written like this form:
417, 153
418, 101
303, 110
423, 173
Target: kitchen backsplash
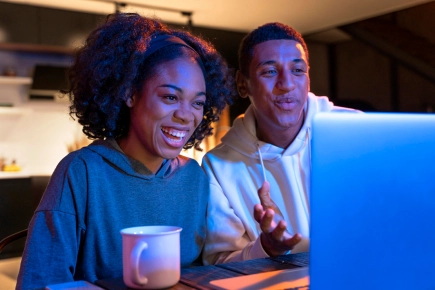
34, 133
37, 135
37, 139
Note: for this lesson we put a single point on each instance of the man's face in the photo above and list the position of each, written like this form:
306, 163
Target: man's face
278, 85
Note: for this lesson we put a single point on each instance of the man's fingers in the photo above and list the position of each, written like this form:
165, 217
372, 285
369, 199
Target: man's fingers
291, 243
264, 194
266, 186
279, 230
266, 221
258, 212
266, 200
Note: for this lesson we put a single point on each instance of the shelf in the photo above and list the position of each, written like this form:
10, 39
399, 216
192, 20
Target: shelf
13, 175
15, 80
36, 48
14, 111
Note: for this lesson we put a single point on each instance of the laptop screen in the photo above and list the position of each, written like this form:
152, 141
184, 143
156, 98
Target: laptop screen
372, 201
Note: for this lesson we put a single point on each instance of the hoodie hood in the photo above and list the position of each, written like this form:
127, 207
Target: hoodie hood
242, 136
113, 154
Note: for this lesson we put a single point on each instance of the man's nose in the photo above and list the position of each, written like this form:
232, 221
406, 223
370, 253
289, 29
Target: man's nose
285, 81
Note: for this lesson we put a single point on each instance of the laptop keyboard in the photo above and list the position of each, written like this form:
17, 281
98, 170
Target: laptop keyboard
298, 259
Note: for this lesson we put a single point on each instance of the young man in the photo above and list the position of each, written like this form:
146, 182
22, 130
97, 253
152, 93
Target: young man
260, 173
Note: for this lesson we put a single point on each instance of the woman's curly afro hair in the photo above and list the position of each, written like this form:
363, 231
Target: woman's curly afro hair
110, 68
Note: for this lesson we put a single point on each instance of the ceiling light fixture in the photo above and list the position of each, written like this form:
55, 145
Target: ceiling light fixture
121, 5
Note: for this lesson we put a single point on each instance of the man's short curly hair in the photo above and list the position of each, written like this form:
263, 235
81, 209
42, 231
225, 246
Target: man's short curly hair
266, 32
110, 68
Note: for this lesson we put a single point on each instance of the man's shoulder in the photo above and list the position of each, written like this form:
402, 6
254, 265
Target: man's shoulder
221, 151
324, 104
223, 156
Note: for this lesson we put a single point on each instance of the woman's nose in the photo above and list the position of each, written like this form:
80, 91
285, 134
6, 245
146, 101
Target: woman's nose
184, 114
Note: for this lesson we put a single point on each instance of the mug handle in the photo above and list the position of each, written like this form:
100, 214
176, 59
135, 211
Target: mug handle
134, 260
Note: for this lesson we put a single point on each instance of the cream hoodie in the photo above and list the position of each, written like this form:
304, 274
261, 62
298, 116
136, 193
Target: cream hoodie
236, 173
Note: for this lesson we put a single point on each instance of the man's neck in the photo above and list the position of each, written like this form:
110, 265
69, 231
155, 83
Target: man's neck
281, 138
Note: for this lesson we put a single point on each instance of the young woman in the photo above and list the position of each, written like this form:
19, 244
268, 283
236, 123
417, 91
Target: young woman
144, 92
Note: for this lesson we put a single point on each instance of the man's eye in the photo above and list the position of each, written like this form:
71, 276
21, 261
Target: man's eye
269, 72
298, 71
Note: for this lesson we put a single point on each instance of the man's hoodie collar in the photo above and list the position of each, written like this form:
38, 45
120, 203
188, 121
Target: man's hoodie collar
242, 136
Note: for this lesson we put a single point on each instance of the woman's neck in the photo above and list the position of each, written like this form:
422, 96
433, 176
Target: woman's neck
131, 149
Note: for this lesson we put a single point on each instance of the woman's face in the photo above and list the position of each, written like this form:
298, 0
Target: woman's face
164, 115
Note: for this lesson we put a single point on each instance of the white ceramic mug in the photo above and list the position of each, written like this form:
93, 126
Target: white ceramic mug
151, 256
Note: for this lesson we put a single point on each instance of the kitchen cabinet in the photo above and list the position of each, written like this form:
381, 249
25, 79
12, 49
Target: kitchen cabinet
16, 205
45, 26
19, 23
19, 198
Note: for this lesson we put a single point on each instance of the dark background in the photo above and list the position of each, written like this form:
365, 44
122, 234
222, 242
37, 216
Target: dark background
391, 70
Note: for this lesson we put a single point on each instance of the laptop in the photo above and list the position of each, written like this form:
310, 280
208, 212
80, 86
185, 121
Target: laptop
372, 201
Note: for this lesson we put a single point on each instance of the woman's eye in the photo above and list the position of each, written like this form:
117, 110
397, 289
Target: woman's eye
199, 104
170, 97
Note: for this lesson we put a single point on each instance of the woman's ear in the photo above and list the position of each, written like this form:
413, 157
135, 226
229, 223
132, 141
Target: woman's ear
242, 86
130, 101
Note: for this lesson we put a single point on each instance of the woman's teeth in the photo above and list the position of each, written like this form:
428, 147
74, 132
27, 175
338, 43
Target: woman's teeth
174, 133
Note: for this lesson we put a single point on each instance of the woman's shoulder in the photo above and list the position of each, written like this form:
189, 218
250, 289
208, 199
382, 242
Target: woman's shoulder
189, 165
78, 159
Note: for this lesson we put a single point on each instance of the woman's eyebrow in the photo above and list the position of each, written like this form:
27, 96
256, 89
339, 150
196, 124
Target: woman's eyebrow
172, 87
179, 89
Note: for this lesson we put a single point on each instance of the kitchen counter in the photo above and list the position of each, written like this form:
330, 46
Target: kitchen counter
14, 174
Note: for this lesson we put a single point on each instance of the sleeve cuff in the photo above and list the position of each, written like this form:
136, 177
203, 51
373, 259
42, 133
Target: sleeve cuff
257, 250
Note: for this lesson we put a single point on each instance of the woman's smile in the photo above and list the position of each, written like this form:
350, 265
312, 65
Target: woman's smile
174, 137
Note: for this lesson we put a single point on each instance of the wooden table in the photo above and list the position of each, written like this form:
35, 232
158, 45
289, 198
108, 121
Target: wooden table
200, 277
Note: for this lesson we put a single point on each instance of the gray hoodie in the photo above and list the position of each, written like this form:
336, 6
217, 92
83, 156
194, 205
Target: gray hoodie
93, 194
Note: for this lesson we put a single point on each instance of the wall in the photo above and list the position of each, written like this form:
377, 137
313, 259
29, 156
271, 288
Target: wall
38, 138
365, 74
416, 93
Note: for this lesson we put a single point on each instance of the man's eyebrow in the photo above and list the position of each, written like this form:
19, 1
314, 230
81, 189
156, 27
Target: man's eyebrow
297, 60
267, 62
271, 62
179, 89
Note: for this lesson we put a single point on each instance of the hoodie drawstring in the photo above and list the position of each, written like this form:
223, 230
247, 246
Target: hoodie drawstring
261, 161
